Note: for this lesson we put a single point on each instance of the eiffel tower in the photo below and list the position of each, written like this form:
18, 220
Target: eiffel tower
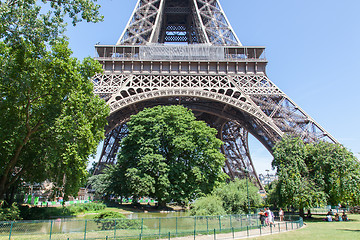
186, 52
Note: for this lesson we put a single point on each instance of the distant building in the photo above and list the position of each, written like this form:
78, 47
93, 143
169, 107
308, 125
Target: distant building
266, 179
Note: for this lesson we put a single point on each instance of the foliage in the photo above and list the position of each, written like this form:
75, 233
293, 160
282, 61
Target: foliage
86, 207
314, 174
168, 155
207, 206
336, 171
36, 22
234, 196
39, 213
50, 120
228, 198
109, 219
103, 183
109, 215
295, 187
10, 213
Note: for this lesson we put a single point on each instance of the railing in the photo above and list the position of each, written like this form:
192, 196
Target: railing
196, 52
221, 227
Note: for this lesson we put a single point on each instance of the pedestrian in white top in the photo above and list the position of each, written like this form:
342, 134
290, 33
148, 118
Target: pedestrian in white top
281, 215
270, 216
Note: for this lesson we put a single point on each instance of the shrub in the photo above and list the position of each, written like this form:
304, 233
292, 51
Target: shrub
234, 196
86, 207
38, 213
228, 198
110, 215
9, 214
209, 205
106, 221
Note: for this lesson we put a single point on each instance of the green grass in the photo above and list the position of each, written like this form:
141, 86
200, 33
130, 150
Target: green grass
320, 230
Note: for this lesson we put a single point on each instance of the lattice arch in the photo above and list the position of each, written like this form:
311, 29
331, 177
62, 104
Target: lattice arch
210, 72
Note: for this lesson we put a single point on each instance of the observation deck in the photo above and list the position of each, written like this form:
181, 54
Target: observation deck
181, 59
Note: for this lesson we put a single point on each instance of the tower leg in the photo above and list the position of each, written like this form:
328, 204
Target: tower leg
111, 147
236, 150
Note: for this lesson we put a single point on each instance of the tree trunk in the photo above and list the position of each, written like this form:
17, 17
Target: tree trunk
2, 190
301, 212
161, 204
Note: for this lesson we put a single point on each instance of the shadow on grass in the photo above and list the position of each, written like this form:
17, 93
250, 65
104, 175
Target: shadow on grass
322, 219
349, 230
315, 219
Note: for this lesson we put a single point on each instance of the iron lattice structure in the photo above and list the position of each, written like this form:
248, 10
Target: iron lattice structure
210, 72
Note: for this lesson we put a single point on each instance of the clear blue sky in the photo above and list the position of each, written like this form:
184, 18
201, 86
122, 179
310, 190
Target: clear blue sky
313, 49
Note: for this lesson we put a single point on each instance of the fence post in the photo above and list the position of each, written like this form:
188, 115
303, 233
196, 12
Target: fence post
142, 225
230, 222
207, 225
176, 230
115, 230
260, 229
286, 226
279, 226
214, 234
169, 236
194, 226
11, 229
270, 228
292, 225
85, 230
232, 229
51, 224
159, 227
241, 221
219, 223
247, 230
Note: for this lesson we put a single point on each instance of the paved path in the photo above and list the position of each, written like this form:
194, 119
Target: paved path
278, 228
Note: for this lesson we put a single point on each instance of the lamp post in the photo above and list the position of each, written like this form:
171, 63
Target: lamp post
246, 171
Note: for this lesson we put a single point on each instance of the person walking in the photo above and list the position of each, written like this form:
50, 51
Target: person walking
270, 217
281, 215
262, 217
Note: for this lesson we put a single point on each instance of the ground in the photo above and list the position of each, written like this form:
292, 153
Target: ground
317, 229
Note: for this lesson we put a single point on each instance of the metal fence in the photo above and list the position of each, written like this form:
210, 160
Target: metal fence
218, 227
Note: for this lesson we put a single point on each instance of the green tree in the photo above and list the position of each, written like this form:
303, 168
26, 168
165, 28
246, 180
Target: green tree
336, 171
104, 183
210, 205
228, 198
295, 187
50, 120
168, 155
314, 174
234, 196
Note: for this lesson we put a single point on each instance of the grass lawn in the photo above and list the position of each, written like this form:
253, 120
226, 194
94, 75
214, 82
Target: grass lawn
320, 230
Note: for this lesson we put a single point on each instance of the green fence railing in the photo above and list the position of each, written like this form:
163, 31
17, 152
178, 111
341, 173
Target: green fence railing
144, 228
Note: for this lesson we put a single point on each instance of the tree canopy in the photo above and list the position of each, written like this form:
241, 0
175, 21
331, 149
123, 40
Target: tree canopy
314, 174
50, 120
228, 198
169, 155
